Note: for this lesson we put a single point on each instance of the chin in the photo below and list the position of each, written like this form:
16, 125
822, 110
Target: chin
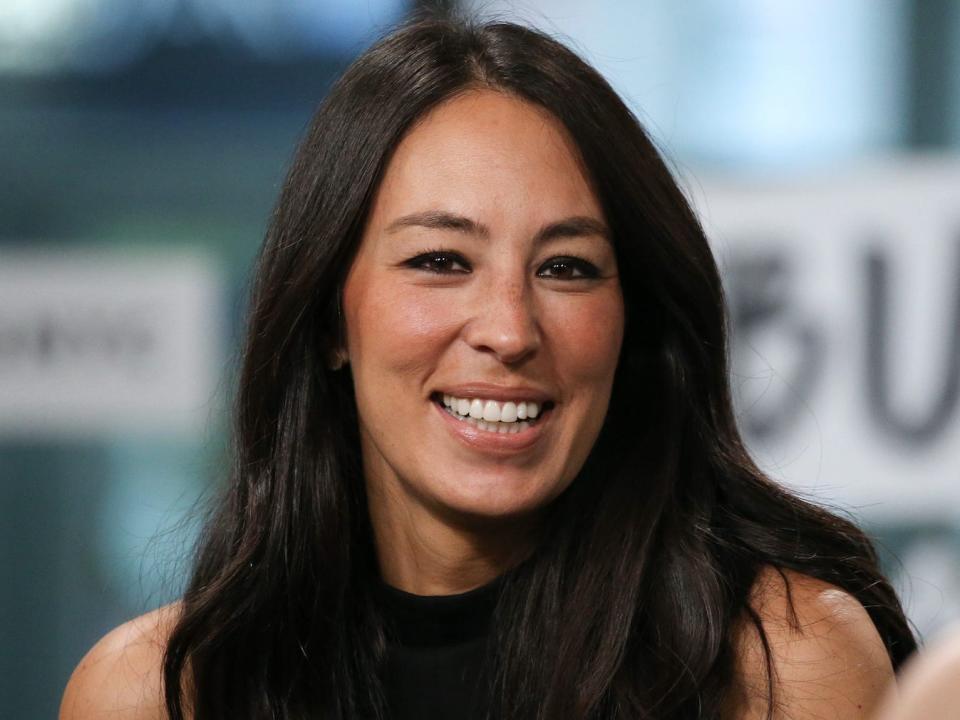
483, 502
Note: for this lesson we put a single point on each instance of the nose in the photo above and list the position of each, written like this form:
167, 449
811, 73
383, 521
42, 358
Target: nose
505, 322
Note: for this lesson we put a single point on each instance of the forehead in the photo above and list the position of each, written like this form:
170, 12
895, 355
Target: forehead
487, 153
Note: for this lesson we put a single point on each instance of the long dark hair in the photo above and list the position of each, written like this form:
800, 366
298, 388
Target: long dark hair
648, 557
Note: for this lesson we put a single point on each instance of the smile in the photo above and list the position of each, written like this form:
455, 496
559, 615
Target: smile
490, 425
492, 415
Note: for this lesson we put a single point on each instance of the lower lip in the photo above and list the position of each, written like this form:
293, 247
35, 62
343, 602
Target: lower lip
488, 441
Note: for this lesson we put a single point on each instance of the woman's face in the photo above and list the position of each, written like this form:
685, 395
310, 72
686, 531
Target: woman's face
485, 274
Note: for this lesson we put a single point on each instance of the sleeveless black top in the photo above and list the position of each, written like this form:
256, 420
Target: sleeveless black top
435, 666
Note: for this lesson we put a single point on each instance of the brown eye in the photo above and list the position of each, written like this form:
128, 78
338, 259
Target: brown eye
440, 262
569, 268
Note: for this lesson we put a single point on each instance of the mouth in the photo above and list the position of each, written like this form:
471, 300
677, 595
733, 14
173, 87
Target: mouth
510, 422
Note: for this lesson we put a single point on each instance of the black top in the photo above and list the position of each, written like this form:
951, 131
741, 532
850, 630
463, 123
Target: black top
435, 657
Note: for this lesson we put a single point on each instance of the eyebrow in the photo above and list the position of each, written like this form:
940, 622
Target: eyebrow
574, 226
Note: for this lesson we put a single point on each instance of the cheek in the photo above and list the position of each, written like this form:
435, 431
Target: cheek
402, 327
590, 334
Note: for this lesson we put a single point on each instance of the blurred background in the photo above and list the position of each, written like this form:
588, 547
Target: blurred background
142, 145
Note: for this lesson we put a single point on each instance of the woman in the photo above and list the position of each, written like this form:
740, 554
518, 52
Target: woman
486, 459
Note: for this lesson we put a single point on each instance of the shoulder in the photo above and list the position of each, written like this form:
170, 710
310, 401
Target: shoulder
121, 676
828, 660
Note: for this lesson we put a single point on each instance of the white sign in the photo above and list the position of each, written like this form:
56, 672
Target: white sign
99, 342
845, 300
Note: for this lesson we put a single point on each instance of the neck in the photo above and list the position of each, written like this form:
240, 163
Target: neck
428, 552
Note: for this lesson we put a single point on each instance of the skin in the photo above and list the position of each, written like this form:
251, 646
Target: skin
828, 659
930, 687
448, 517
120, 678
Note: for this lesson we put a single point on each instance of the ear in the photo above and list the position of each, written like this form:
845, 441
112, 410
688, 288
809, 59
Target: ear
337, 358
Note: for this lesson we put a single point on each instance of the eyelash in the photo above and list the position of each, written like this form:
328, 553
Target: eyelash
587, 270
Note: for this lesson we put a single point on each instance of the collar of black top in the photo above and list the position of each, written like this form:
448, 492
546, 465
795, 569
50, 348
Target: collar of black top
434, 620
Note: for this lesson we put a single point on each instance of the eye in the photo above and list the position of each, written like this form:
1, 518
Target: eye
440, 262
569, 268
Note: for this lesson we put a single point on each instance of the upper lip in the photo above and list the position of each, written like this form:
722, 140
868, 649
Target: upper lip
503, 393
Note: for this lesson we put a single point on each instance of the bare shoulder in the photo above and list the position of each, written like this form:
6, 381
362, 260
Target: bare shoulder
120, 677
828, 659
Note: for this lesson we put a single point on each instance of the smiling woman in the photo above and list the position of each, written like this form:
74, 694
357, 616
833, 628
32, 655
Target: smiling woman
486, 460
521, 310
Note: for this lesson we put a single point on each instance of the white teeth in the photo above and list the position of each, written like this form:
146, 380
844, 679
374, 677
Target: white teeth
497, 428
476, 409
490, 415
492, 411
